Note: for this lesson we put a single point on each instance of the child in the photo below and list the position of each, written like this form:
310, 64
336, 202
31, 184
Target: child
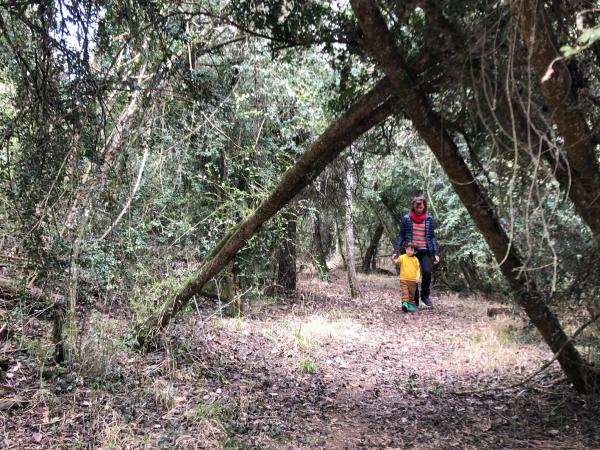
410, 275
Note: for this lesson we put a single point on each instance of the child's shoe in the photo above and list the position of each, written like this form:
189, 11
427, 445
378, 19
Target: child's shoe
405, 307
410, 308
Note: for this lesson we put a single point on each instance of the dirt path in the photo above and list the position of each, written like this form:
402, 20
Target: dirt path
312, 371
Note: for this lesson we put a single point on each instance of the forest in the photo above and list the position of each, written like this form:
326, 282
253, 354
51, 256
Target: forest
199, 202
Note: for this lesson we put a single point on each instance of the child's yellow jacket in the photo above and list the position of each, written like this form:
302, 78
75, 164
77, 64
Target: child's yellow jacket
410, 269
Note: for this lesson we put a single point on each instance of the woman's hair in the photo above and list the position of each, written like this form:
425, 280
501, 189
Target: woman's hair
418, 199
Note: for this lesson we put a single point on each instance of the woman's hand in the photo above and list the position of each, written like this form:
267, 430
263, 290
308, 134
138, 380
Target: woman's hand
436, 259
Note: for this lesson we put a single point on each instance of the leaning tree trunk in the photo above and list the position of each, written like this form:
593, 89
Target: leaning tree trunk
320, 259
580, 176
286, 264
369, 258
368, 111
526, 130
577, 170
349, 234
428, 124
564, 111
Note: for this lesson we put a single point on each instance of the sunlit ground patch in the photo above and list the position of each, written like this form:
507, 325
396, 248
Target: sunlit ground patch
310, 333
496, 346
233, 324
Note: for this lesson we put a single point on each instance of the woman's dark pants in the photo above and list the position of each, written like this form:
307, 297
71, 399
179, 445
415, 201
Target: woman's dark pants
426, 261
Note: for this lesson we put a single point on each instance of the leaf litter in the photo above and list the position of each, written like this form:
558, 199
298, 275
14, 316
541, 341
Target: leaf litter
378, 379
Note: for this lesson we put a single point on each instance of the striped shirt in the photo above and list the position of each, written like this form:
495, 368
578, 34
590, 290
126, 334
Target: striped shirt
419, 235
405, 234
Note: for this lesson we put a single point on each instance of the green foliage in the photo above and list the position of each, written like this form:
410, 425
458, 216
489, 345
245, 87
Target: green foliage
321, 270
211, 410
288, 23
390, 181
308, 366
232, 443
223, 97
585, 40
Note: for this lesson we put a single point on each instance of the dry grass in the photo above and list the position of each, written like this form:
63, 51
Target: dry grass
303, 370
203, 434
101, 348
490, 345
304, 338
115, 434
232, 324
162, 393
312, 332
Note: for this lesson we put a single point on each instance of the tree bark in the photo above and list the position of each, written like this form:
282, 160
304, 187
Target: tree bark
524, 125
564, 111
579, 180
368, 111
58, 335
286, 264
349, 234
369, 259
391, 208
339, 245
320, 259
389, 226
428, 124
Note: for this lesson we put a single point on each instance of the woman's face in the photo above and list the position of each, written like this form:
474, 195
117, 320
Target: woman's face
419, 207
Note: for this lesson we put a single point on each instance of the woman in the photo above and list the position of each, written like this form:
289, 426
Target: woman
417, 227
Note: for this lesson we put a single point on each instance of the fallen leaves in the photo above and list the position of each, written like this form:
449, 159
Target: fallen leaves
383, 381
12, 402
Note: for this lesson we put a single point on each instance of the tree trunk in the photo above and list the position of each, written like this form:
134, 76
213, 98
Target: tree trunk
320, 259
391, 209
374, 261
388, 225
286, 264
368, 111
526, 128
58, 332
352, 280
369, 258
428, 125
339, 245
576, 169
563, 110
234, 302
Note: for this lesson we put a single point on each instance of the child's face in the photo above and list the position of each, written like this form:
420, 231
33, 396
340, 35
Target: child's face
410, 251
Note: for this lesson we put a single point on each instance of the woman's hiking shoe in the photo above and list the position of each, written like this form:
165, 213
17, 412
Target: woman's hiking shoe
427, 302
